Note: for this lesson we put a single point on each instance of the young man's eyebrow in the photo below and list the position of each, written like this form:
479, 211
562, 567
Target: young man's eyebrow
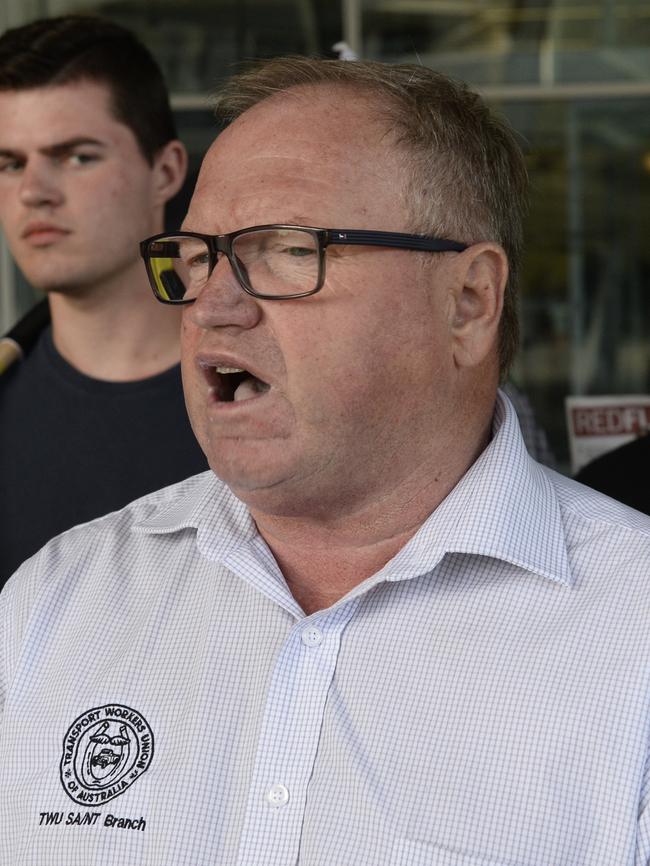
58, 149
69, 144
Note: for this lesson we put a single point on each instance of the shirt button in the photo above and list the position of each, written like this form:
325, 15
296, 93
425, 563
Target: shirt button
312, 636
277, 795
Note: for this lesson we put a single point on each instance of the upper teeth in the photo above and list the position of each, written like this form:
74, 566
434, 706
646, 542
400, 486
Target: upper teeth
229, 370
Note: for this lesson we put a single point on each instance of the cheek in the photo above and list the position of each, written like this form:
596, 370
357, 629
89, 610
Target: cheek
376, 360
123, 199
189, 372
339, 369
189, 339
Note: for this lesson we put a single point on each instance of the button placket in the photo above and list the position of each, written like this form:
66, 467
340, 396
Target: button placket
289, 739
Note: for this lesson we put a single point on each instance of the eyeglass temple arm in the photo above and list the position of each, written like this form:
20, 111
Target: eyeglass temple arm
398, 240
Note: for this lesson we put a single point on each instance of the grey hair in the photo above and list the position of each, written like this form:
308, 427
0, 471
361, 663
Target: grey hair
466, 173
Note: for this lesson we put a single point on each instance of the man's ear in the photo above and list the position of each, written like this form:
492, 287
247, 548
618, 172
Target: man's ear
478, 302
169, 170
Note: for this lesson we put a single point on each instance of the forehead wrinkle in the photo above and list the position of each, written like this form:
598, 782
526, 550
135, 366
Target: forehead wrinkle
358, 122
312, 168
226, 206
304, 169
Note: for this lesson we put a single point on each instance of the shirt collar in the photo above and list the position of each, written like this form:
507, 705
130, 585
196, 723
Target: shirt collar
504, 507
222, 521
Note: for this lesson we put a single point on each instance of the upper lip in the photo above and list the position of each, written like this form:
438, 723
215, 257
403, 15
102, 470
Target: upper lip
41, 226
208, 361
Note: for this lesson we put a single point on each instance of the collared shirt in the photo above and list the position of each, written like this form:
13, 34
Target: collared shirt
483, 700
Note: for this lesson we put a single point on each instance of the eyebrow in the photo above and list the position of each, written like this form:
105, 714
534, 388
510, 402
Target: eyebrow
59, 148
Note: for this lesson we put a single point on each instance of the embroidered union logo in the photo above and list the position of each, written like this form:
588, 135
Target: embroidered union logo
104, 751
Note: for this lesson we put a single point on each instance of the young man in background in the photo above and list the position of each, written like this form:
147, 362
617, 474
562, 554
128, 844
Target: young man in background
94, 416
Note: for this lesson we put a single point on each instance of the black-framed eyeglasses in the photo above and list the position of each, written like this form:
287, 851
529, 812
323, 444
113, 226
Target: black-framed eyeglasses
273, 262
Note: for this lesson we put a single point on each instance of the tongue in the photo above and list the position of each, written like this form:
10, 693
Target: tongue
249, 388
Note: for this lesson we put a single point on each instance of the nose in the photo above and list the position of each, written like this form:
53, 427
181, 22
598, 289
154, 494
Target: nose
222, 302
38, 186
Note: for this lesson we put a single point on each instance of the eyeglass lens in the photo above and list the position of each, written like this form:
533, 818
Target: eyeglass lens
274, 262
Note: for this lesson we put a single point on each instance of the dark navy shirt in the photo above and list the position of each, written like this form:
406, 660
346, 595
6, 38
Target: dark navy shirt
74, 448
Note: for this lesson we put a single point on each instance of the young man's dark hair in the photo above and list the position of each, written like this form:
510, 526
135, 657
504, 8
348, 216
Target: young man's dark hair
56, 51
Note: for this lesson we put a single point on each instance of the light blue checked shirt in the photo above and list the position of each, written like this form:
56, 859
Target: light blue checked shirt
484, 700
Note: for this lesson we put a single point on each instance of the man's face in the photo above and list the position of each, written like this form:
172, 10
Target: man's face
358, 379
75, 190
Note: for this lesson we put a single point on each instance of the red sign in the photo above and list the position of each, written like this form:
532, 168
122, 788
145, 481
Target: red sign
611, 420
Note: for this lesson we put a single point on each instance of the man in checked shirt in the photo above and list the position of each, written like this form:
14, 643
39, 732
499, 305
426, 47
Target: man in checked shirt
377, 632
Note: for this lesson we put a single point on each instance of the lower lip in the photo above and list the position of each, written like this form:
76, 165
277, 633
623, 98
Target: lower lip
264, 416
233, 405
43, 237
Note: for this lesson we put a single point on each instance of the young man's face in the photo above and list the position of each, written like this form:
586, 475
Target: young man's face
76, 193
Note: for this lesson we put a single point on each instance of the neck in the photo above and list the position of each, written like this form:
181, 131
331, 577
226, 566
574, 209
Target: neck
116, 332
323, 558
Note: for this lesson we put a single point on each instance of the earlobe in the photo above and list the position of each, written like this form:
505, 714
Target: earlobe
478, 302
170, 168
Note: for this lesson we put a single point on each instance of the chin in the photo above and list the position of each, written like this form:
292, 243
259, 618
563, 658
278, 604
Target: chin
245, 482
267, 487
67, 277
246, 473
249, 462
48, 285
280, 489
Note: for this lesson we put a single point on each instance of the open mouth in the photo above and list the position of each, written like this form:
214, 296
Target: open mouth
233, 384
